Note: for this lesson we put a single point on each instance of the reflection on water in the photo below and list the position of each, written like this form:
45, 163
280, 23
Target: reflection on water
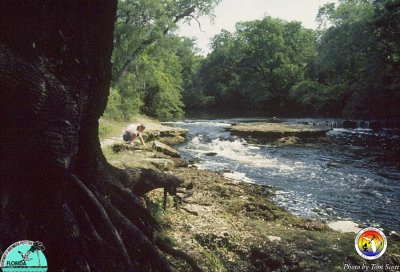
329, 181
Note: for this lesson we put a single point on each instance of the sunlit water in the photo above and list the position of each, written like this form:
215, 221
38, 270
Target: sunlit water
360, 187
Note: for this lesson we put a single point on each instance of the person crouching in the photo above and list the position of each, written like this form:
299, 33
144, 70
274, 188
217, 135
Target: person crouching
132, 132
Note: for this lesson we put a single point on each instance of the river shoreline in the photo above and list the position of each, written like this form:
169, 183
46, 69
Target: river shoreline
234, 226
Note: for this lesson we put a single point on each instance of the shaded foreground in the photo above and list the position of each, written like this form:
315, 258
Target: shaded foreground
231, 226
56, 187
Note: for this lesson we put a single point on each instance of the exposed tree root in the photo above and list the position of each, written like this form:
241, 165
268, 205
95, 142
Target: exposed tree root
189, 211
126, 224
55, 184
142, 247
165, 247
130, 205
92, 211
142, 180
151, 180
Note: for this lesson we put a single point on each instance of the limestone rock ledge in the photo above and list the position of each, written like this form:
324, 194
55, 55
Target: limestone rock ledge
265, 132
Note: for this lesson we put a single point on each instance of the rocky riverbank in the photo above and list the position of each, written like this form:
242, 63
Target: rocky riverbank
233, 226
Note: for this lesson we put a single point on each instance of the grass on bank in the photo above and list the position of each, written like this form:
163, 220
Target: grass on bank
109, 128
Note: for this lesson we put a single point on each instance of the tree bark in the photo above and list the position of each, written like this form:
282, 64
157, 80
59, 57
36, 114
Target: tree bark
56, 186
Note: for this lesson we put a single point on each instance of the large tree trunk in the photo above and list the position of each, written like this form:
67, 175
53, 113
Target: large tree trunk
56, 186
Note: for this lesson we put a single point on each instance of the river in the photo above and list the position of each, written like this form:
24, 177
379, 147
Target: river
347, 179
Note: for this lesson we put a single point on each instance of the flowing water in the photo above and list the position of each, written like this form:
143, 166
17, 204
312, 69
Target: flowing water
348, 179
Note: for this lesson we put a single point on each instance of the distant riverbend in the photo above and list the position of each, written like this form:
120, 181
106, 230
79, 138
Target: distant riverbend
349, 177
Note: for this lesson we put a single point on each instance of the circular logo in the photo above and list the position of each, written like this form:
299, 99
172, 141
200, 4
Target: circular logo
370, 243
24, 256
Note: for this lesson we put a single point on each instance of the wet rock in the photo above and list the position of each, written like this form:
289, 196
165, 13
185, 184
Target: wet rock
121, 146
325, 139
180, 163
264, 132
173, 140
333, 165
274, 120
165, 149
194, 160
173, 132
165, 134
251, 140
291, 140
349, 124
151, 135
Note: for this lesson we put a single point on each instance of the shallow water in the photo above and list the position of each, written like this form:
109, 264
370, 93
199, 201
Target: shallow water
361, 187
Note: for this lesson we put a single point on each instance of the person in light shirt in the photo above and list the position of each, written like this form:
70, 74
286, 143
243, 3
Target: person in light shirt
132, 132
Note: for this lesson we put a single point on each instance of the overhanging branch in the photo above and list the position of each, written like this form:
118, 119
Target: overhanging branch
186, 13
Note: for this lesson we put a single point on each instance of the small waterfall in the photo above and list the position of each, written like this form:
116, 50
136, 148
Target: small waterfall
375, 125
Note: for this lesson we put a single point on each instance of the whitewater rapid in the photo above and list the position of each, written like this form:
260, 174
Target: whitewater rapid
359, 188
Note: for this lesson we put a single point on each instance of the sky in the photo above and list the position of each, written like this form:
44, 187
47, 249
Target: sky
229, 12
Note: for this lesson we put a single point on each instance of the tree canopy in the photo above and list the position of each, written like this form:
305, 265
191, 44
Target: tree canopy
349, 66
254, 68
148, 75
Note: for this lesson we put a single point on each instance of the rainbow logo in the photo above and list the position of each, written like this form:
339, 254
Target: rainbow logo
370, 243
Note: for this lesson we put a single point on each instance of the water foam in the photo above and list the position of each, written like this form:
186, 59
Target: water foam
238, 150
358, 186
238, 176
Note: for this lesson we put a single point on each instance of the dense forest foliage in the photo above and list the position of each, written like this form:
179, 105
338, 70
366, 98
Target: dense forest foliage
151, 65
349, 66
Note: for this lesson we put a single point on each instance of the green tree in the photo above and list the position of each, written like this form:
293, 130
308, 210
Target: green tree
316, 99
360, 50
140, 23
192, 91
349, 66
162, 70
254, 68
146, 65
113, 109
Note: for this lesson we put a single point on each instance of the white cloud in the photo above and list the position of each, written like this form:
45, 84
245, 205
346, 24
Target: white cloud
229, 12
